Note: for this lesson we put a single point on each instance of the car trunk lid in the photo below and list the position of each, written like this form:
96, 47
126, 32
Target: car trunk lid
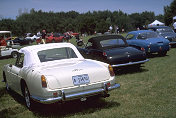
76, 73
125, 55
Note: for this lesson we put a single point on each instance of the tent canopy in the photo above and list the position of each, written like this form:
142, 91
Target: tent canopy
155, 23
174, 18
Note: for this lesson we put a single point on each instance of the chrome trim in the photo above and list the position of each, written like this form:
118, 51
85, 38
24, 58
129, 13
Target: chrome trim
65, 97
130, 63
172, 43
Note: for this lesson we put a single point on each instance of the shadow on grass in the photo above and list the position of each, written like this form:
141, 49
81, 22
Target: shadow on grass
129, 70
155, 55
73, 107
2, 92
11, 109
5, 57
69, 108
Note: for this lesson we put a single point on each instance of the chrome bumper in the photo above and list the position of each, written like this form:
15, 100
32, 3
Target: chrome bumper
130, 63
172, 43
65, 97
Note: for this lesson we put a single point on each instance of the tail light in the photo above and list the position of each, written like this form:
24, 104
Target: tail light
143, 49
108, 84
111, 70
148, 48
104, 54
43, 80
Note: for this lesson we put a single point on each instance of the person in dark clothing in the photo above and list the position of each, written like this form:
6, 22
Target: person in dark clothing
43, 36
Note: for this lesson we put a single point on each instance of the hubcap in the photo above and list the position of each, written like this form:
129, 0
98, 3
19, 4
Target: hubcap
27, 99
7, 86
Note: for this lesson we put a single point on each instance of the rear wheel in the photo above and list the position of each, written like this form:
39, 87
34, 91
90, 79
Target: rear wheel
6, 83
14, 54
162, 53
28, 100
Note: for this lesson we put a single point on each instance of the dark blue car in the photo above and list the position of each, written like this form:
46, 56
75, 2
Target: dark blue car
148, 40
166, 32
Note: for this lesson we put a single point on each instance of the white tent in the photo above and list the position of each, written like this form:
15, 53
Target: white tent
155, 23
174, 18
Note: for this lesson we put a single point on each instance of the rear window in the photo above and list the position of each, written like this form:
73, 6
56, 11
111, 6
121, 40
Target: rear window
112, 42
56, 54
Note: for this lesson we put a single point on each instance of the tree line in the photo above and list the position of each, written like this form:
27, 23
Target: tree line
88, 22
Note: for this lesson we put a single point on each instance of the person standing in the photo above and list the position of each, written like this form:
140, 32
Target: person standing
117, 30
110, 28
43, 36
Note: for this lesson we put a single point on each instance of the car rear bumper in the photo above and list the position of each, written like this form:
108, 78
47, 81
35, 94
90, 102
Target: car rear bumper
65, 97
172, 43
130, 63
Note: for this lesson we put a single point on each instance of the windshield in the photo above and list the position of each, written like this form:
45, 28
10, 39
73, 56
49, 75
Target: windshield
112, 42
162, 30
56, 54
147, 35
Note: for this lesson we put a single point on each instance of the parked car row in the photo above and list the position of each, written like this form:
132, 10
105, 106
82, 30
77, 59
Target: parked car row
59, 72
149, 40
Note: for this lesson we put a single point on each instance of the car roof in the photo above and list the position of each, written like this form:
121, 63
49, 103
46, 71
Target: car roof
104, 37
2, 32
140, 31
156, 27
96, 40
31, 57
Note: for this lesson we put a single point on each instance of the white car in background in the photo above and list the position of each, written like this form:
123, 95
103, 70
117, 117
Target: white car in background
57, 72
32, 38
9, 50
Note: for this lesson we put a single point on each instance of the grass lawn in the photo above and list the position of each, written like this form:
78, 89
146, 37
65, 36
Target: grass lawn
146, 93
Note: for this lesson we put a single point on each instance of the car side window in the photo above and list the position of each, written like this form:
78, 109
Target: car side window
142, 36
19, 60
129, 36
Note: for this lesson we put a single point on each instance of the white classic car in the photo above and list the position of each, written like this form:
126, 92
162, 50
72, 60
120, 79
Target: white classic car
8, 52
32, 38
56, 72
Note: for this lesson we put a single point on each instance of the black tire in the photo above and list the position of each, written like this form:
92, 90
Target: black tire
27, 98
6, 83
14, 54
162, 53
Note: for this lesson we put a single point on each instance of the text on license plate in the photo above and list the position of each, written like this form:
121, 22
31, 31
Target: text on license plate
80, 79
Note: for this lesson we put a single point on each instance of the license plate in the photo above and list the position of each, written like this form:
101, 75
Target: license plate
80, 79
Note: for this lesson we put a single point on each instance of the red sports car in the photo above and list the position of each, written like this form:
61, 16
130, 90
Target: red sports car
54, 38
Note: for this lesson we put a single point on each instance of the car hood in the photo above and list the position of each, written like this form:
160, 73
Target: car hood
125, 55
60, 75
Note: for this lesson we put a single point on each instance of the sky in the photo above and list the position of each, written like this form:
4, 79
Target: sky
11, 8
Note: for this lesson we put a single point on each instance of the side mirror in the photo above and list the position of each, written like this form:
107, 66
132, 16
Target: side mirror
80, 43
